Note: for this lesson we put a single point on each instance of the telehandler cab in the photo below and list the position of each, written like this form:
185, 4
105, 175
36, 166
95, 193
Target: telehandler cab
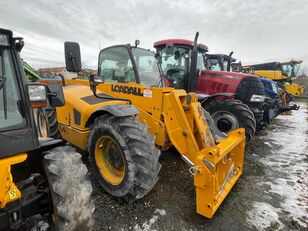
37, 176
124, 119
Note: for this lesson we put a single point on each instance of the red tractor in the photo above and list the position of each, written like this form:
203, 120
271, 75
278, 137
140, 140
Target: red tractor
233, 99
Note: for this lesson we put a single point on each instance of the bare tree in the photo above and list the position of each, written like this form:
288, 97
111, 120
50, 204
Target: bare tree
304, 71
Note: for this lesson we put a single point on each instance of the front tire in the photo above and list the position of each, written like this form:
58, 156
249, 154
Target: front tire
124, 157
271, 110
47, 123
70, 190
231, 114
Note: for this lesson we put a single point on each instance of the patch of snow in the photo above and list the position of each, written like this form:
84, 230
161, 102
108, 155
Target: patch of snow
147, 226
263, 216
286, 172
294, 201
40, 226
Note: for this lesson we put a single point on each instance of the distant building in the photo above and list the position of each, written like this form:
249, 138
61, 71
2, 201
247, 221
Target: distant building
56, 71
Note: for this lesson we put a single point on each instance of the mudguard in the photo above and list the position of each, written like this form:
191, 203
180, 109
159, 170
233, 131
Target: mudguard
203, 98
119, 110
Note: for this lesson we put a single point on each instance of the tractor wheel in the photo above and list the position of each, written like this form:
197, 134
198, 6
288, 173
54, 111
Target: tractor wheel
232, 114
271, 110
70, 190
124, 157
47, 123
217, 134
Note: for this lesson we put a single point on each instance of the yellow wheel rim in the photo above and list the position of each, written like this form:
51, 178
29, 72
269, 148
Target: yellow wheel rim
110, 160
42, 123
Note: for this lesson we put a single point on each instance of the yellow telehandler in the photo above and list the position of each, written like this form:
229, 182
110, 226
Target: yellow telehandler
124, 116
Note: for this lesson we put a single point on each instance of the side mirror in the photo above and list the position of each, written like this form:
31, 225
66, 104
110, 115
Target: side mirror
169, 49
96, 79
72, 56
203, 47
19, 43
55, 95
37, 95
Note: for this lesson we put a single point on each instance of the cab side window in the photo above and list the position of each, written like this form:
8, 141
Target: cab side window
116, 66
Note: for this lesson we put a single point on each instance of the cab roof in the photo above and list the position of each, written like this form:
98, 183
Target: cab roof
183, 42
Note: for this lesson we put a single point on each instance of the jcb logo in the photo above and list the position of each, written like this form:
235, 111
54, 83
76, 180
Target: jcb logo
127, 90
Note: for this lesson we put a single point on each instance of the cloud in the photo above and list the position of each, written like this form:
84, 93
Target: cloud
256, 31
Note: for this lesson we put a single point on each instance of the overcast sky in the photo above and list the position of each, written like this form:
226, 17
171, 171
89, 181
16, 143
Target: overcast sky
255, 30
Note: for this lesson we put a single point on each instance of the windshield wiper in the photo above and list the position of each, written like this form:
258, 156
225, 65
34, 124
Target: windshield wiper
3, 86
2, 81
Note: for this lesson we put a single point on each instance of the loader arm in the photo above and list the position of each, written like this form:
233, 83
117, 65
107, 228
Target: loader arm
30, 72
215, 168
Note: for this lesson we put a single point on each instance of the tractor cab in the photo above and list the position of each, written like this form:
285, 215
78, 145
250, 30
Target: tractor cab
27, 163
17, 127
176, 60
211, 79
218, 62
291, 69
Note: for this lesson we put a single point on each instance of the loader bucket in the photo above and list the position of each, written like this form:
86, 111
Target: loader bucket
219, 167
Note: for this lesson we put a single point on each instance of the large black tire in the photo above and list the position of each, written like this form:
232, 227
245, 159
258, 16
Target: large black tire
134, 155
271, 110
47, 120
70, 190
230, 114
217, 134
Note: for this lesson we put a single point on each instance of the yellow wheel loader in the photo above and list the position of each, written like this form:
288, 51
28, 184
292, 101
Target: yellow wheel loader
37, 176
124, 116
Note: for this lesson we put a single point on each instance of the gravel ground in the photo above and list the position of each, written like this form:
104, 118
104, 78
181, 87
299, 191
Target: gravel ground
272, 193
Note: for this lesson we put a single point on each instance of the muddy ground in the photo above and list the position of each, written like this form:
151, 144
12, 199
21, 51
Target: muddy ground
272, 193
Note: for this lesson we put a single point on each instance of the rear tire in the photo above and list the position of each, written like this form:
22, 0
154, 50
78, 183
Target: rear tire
70, 190
124, 157
47, 123
230, 114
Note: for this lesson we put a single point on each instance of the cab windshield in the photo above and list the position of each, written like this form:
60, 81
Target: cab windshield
116, 66
147, 66
214, 64
295, 70
287, 70
10, 103
174, 65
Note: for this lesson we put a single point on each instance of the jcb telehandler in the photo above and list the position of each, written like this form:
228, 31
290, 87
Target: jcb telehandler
124, 119
37, 176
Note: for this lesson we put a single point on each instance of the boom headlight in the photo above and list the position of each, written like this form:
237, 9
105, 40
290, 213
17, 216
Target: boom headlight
4, 40
257, 98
